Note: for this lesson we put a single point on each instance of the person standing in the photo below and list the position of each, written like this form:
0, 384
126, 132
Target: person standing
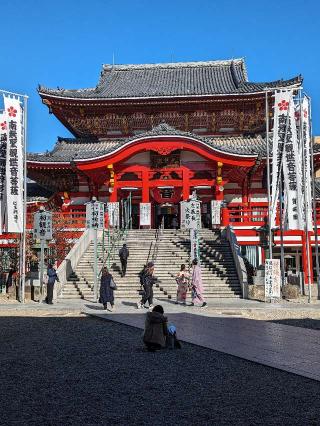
124, 254
197, 286
147, 281
106, 289
52, 278
182, 280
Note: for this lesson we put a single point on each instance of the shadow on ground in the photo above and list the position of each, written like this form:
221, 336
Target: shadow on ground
82, 370
313, 324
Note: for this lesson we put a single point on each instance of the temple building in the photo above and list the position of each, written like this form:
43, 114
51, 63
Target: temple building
159, 132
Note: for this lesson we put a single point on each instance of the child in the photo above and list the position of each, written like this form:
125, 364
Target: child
156, 329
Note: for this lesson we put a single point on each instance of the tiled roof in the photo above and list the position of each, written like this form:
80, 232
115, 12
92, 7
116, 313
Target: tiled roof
170, 80
71, 149
67, 150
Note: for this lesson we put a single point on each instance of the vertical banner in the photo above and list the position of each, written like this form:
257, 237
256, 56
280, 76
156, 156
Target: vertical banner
14, 166
305, 147
281, 120
272, 279
291, 172
145, 214
194, 242
3, 157
215, 212
114, 214
183, 205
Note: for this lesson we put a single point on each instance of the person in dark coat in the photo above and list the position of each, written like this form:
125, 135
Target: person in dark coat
147, 281
156, 329
106, 292
124, 254
10, 277
52, 278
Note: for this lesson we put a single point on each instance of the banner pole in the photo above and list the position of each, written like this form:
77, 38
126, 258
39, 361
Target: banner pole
95, 272
314, 204
268, 172
281, 231
306, 228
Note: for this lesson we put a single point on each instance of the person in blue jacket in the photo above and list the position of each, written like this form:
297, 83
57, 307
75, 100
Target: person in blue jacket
52, 278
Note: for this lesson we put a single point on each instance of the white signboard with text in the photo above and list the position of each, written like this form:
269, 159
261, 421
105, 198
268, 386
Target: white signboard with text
194, 243
190, 214
145, 214
95, 215
272, 279
42, 228
114, 214
215, 212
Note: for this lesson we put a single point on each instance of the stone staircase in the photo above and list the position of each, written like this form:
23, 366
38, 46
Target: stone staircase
218, 269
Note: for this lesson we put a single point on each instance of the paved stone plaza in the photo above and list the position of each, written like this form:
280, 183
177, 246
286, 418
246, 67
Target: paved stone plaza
61, 367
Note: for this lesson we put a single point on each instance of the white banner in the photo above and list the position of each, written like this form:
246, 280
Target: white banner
42, 226
145, 214
14, 166
291, 172
3, 156
306, 151
190, 214
113, 213
216, 212
95, 215
281, 119
272, 278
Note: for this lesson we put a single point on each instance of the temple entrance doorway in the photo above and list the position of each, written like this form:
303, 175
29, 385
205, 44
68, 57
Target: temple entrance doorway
168, 214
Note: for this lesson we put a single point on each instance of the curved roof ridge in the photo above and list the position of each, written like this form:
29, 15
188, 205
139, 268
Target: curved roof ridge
191, 64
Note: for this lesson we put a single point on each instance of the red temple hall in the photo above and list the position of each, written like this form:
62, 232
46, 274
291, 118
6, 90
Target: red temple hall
159, 132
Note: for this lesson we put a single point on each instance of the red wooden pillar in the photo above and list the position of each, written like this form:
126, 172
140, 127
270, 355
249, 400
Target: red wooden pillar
145, 186
219, 194
185, 185
225, 218
114, 193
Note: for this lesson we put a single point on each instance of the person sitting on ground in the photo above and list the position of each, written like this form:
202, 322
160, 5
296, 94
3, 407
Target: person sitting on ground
156, 329
106, 290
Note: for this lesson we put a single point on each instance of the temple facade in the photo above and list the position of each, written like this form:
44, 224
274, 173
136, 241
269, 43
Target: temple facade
158, 132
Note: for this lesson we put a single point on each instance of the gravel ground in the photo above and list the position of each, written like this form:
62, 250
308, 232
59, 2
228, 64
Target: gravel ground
84, 371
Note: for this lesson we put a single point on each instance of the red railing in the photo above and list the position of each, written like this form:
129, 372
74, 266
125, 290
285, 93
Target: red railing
239, 215
63, 220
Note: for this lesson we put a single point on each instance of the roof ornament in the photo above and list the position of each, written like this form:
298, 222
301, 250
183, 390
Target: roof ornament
163, 127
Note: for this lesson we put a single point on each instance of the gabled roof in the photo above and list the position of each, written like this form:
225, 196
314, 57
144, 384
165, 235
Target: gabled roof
69, 149
187, 79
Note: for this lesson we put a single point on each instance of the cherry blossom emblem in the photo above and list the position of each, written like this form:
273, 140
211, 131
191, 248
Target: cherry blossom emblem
3, 125
12, 111
305, 113
283, 105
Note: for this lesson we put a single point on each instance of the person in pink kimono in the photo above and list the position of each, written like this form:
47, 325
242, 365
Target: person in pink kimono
197, 286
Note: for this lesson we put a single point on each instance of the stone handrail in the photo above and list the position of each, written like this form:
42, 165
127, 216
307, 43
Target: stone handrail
228, 233
72, 259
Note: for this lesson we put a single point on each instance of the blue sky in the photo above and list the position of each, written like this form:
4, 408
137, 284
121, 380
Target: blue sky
64, 43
